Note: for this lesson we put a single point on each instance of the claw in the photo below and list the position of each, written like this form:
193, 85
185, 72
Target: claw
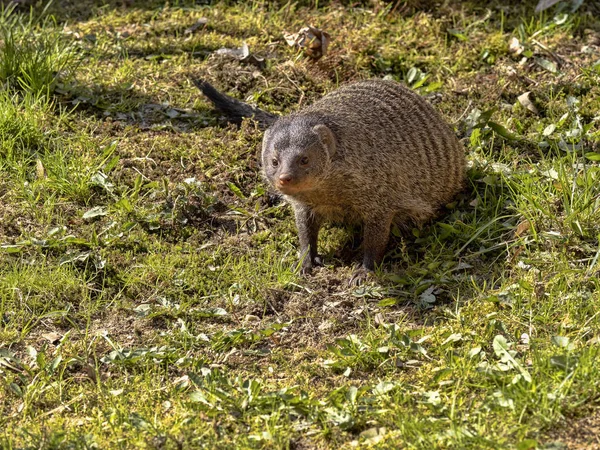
306, 265
360, 275
305, 270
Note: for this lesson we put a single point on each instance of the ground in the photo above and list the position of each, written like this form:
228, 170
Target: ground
149, 296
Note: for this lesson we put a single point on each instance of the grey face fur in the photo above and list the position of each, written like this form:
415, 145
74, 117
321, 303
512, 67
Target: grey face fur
296, 154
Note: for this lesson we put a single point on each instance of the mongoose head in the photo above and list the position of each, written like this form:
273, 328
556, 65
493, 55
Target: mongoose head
296, 154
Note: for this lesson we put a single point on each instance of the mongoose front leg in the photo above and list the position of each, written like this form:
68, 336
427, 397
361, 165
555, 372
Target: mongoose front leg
308, 224
376, 236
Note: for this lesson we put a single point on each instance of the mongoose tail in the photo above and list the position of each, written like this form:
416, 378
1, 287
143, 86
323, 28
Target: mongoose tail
233, 109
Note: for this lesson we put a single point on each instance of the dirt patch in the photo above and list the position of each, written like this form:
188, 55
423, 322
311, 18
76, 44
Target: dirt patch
578, 434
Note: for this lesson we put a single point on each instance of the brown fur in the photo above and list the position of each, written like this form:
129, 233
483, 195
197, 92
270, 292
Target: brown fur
373, 152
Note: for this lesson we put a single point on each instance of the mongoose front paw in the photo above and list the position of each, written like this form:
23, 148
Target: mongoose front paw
359, 276
307, 265
305, 269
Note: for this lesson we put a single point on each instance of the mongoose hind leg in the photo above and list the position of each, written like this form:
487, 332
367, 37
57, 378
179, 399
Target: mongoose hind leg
308, 224
376, 236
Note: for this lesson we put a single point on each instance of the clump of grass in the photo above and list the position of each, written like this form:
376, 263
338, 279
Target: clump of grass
22, 120
33, 51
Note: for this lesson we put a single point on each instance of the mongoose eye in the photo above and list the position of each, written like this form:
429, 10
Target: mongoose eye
304, 161
274, 162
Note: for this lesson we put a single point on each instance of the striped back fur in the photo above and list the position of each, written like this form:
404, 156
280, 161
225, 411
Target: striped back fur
394, 152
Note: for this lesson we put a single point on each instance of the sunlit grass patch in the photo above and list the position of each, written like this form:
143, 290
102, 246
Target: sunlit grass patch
149, 294
34, 53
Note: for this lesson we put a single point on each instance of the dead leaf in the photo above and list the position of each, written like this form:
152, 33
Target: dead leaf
379, 319
515, 47
52, 337
40, 171
522, 228
311, 39
525, 100
290, 38
243, 54
200, 23
550, 66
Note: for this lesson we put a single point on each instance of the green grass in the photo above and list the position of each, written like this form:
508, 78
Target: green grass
148, 297
34, 51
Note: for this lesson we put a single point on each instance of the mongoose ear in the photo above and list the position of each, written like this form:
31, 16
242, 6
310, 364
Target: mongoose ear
263, 148
265, 141
326, 137
266, 136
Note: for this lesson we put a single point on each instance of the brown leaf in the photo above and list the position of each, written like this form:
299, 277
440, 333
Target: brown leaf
52, 337
525, 100
522, 228
313, 41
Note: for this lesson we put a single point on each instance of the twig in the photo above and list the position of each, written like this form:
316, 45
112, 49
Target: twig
559, 59
463, 114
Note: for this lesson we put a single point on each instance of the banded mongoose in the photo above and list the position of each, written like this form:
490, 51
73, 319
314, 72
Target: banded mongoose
373, 152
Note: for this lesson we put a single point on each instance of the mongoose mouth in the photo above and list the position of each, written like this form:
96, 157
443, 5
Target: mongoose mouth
291, 189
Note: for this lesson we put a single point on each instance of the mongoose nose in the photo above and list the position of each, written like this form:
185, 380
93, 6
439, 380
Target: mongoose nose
285, 178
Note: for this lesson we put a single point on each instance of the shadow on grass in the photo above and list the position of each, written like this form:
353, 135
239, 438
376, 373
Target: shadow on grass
82, 10
128, 105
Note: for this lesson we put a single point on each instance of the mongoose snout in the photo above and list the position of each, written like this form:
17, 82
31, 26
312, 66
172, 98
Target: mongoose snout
286, 183
284, 178
372, 152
